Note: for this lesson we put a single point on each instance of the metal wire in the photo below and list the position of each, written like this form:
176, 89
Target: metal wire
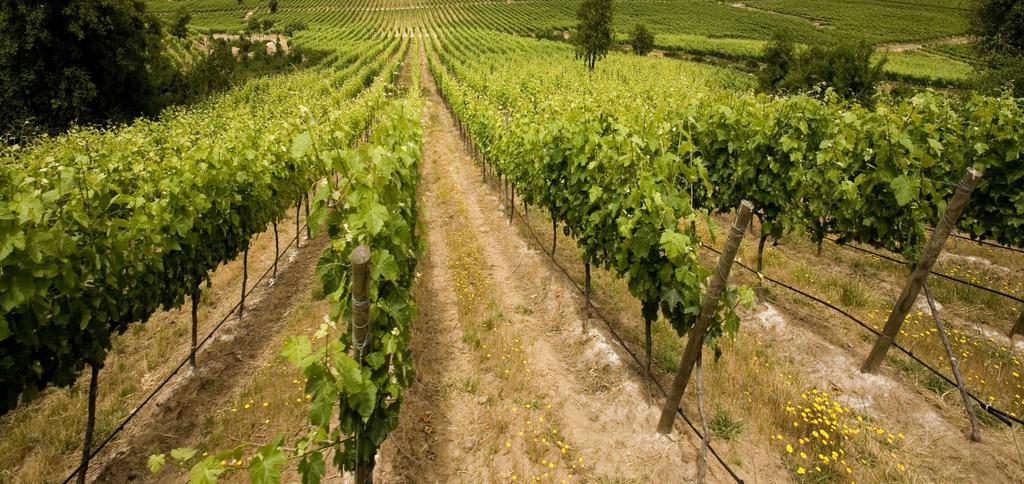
178, 368
1006, 418
622, 342
940, 274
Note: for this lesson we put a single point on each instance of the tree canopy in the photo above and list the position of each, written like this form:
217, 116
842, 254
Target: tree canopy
63, 61
594, 33
642, 40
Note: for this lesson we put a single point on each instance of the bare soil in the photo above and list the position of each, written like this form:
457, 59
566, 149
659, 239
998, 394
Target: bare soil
238, 350
562, 389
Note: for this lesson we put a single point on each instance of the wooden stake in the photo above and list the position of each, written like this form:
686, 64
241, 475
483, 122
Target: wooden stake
90, 424
921, 270
705, 441
360, 260
955, 365
512, 205
245, 281
708, 308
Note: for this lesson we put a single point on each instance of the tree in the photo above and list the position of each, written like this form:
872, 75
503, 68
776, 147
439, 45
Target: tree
642, 40
180, 27
779, 57
846, 68
594, 32
63, 61
293, 27
273, 6
999, 27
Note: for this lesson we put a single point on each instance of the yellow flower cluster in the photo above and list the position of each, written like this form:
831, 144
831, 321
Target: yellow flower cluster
552, 458
823, 428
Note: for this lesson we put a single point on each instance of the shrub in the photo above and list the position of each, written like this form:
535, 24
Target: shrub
293, 27
642, 40
847, 68
180, 27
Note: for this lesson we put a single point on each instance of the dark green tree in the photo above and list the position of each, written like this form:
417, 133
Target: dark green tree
847, 69
642, 40
293, 27
779, 58
999, 27
180, 27
594, 32
273, 6
63, 61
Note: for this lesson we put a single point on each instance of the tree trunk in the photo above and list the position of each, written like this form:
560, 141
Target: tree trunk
195, 324
90, 425
277, 249
648, 344
245, 281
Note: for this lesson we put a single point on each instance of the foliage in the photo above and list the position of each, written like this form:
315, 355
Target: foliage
258, 23
847, 68
779, 58
273, 6
179, 28
67, 61
999, 26
624, 208
593, 36
642, 40
192, 189
292, 27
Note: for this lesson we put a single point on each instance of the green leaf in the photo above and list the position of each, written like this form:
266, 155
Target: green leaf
206, 471
384, 266
312, 468
905, 189
182, 454
301, 145
265, 467
297, 350
156, 462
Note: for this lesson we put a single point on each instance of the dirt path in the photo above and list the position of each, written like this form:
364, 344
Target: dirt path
179, 413
508, 386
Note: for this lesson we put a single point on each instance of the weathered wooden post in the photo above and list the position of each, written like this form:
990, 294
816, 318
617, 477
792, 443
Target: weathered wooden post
360, 260
708, 307
361, 333
954, 365
924, 266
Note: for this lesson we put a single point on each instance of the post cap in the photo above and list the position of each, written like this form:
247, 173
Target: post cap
361, 255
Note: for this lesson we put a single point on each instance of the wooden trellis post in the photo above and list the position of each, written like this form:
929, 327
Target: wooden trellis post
912, 289
361, 333
708, 307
